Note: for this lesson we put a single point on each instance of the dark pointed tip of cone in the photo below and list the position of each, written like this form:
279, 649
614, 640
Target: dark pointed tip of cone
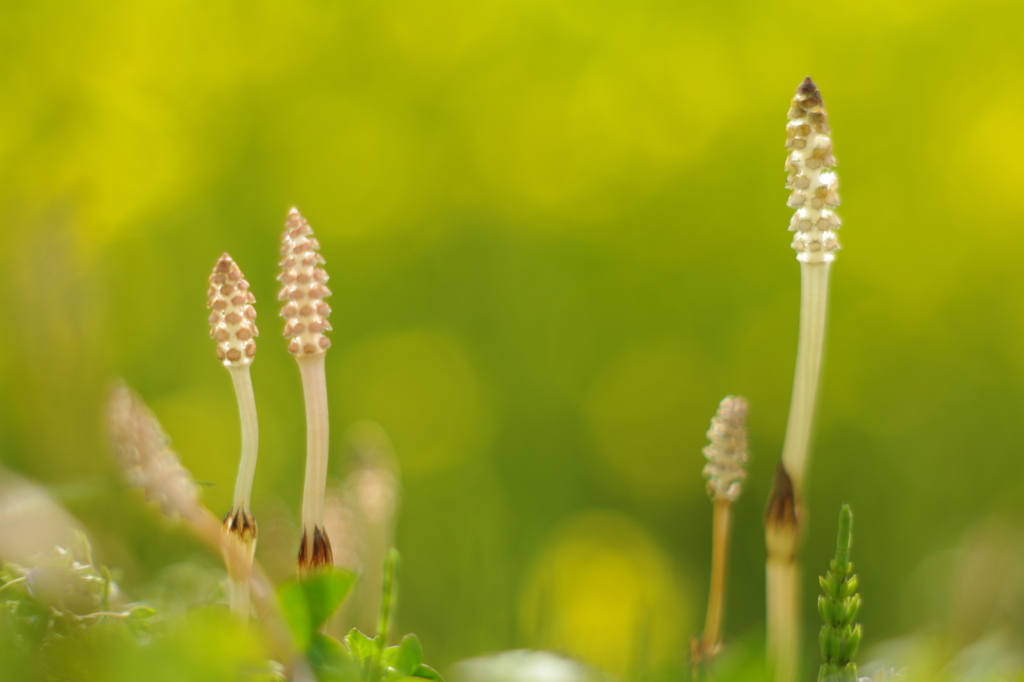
782, 503
807, 87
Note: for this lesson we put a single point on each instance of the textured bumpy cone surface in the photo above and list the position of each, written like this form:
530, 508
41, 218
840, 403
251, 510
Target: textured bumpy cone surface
727, 453
813, 184
304, 288
232, 318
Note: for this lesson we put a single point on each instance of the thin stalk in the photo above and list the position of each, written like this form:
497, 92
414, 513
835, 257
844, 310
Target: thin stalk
315, 546
725, 471
783, 621
814, 195
16, 581
783, 568
314, 387
238, 594
250, 434
240, 525
782, 573
389, 597
711, 640
388, 602
304, 288
813, 306
232, 326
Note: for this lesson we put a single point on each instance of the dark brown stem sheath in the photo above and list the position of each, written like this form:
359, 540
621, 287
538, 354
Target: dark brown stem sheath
782, 535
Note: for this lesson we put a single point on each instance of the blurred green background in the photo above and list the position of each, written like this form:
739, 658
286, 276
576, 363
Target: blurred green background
556, 234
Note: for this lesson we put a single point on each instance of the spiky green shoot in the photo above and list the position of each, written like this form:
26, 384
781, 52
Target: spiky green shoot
838, 607
389, 597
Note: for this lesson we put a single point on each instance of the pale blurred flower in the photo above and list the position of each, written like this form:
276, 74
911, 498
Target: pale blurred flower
727, 454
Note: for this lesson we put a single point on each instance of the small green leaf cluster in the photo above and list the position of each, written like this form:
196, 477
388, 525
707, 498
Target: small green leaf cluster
840, 636
309, 603
400, 663
49, 610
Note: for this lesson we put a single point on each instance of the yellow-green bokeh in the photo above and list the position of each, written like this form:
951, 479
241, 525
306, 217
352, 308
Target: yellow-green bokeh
556, 232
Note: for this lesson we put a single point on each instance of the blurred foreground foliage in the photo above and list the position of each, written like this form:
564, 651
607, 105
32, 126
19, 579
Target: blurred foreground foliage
66, 620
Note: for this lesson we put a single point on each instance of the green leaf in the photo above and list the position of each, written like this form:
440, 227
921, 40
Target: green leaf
307, 604
142, 612
425, 672
325, 590
296, 612
406, 657
362, 647
330, 661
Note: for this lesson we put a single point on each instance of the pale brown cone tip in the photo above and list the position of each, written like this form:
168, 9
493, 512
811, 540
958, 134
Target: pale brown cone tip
232, 317
304, 286
808, 88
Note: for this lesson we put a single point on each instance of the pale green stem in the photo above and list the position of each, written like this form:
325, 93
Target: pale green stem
813, 303
238, 595
783, 618
12, 582
250, 434
314, 387
783, 569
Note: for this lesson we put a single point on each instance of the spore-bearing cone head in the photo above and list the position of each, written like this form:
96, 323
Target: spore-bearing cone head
232, 316
303, 288
782, 517
314, 551
814, 186
727, 453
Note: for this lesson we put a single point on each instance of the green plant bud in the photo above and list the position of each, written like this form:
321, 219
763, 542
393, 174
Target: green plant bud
848, 587
835, 644
825, 608
852, 643
852, 608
